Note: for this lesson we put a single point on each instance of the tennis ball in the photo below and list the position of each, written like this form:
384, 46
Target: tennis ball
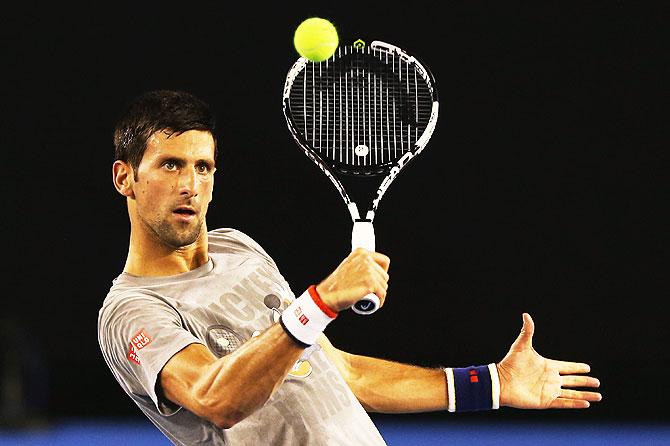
315, 39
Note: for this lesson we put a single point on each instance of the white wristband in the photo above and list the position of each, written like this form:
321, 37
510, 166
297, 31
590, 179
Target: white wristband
495, 386
451, 390
306, 317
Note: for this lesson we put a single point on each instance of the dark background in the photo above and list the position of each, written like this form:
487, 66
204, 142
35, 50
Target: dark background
541, 191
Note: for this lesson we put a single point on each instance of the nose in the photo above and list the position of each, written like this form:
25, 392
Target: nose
187, 183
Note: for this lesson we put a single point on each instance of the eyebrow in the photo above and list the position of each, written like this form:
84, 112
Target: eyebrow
179, 160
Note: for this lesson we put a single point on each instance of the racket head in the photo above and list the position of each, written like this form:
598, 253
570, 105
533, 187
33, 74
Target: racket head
364, 112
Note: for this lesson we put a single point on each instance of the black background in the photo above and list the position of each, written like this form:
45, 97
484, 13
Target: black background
541, 191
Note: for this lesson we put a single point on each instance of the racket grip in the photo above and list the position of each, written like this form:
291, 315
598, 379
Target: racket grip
363, 236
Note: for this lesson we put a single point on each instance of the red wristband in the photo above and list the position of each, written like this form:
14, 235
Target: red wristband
321, 304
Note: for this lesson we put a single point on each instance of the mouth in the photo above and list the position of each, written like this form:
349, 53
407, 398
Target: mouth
184, 213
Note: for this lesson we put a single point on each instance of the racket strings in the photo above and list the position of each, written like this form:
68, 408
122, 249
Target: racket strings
363, 107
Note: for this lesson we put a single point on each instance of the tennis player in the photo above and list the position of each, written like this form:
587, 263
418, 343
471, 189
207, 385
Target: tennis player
207, 338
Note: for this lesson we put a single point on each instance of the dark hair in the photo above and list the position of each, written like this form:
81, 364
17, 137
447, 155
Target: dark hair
172, 111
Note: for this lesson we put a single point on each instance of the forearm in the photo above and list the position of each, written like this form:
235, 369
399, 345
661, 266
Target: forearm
236, 385
391, 387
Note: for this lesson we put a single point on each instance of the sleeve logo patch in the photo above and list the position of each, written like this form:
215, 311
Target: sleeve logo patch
137, 343
132, 355
141, 340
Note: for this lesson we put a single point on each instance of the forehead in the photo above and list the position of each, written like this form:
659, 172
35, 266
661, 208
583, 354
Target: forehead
192, 144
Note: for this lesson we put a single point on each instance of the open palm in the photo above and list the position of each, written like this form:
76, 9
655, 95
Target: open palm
530, 381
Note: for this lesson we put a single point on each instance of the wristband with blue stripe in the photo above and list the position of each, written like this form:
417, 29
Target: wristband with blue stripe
473, 388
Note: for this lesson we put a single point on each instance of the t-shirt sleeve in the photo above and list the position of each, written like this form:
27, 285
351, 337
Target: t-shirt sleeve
138, 334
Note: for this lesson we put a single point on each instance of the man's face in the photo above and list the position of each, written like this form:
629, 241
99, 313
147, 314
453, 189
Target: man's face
173, 186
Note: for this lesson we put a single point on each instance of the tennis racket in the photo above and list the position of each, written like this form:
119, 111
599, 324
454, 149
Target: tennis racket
361, 116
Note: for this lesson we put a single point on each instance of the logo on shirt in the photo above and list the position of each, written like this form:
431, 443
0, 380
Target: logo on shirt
222, 340
137, 343
132, 355
302, 367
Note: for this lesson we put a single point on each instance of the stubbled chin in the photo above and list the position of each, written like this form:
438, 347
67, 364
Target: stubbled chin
180, 234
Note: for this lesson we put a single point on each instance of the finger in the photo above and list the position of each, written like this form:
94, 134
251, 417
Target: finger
377, 286
580, 395
374, 272
565, 403
372, 259
381, 272
565, 367
579, 381
525, 338
381, 260
381, 294
382, 284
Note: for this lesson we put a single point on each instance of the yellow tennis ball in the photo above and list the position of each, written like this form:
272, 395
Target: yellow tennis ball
315, 39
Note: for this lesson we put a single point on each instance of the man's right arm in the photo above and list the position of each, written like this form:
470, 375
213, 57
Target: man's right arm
228, 389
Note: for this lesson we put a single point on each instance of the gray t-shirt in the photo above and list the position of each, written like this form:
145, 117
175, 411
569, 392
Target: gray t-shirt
144, 321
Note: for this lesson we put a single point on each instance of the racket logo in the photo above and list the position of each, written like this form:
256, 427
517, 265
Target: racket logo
364, 305
392, 174
361, 150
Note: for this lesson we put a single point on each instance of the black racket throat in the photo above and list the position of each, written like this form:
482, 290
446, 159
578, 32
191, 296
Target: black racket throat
362, 191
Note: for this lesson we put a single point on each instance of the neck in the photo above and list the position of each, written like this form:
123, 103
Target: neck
149, 257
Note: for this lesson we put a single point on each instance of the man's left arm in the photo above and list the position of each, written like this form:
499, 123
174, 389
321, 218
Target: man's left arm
527, 380
387, 386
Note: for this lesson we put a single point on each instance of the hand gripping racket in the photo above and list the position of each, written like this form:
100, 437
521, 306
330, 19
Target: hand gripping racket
361, 116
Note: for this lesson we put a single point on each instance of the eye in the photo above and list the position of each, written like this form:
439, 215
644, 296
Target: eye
203, 168
170, 165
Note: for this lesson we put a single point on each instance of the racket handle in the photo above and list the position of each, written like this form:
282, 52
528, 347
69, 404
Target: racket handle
363, 236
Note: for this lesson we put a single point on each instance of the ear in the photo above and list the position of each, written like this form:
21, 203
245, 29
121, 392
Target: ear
122, 176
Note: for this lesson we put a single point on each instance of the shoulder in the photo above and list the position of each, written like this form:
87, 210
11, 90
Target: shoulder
229, 239
129, 303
